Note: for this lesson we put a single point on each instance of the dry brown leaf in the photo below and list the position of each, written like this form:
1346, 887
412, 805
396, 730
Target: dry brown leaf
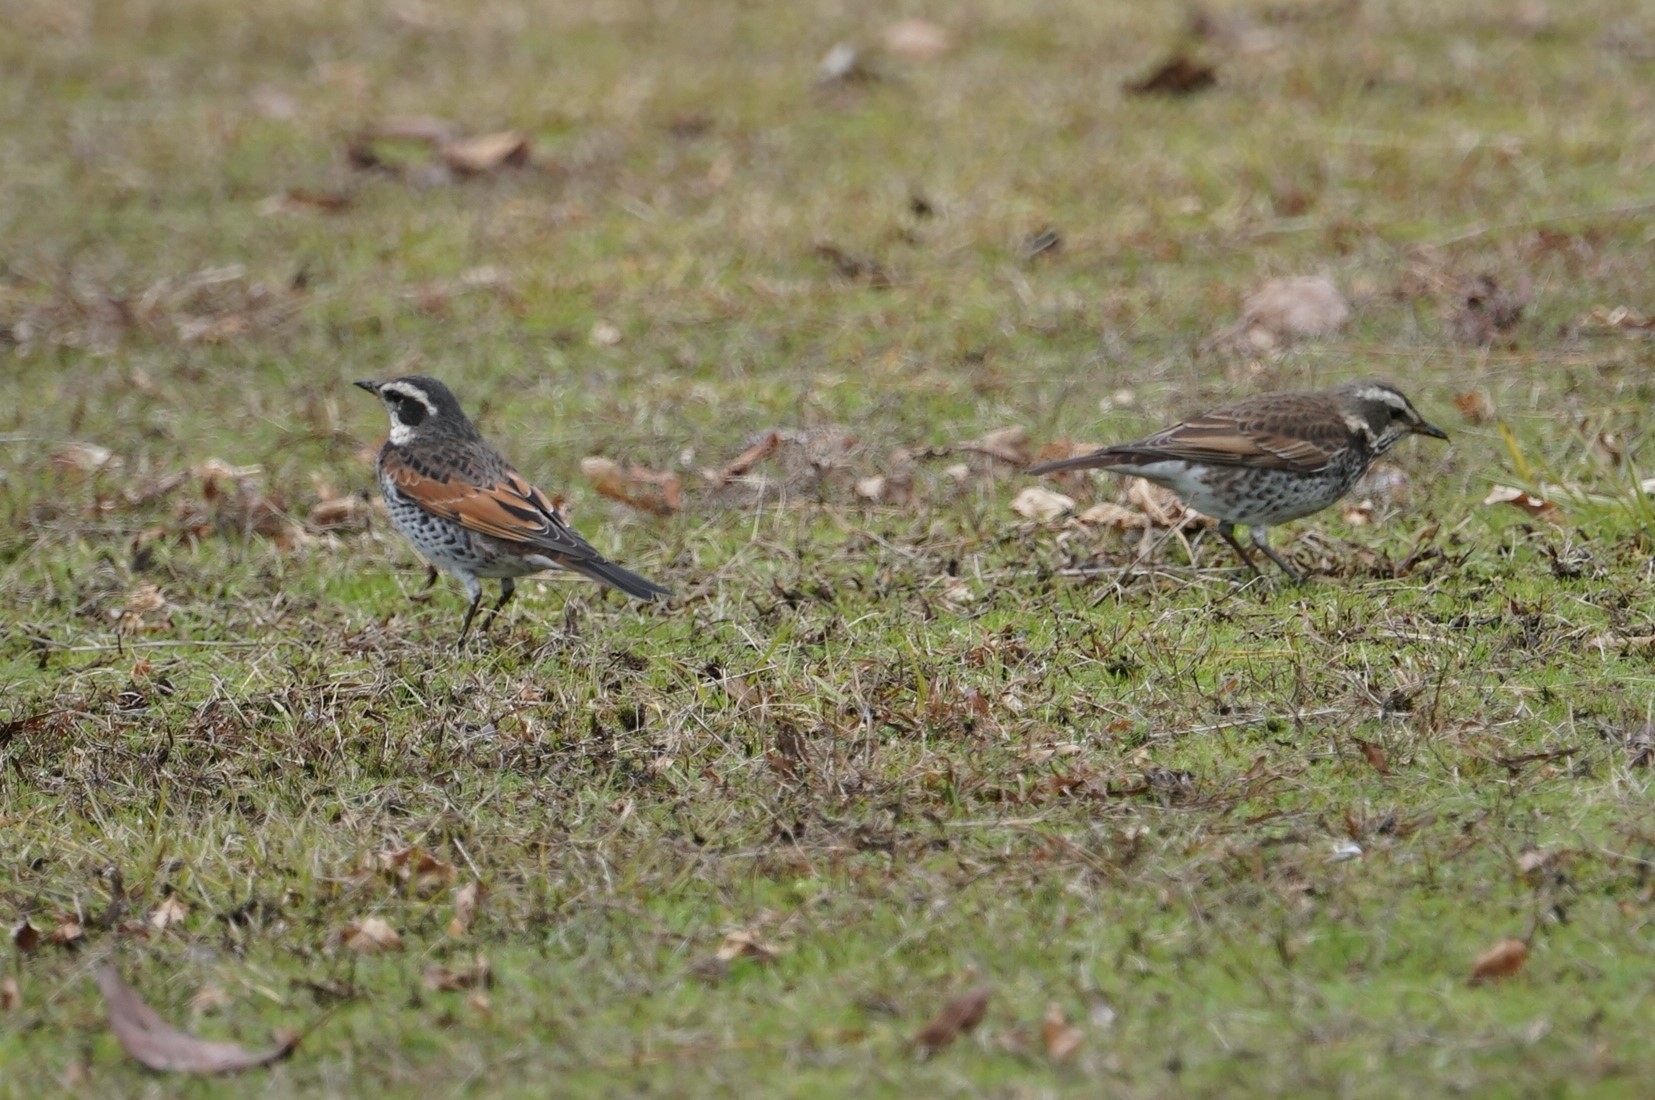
1006, 444
1041, 505
1062, 1038
479, 975
1530, 860
855, 268
84, 458
466, 902
1358, 513
1500, 961
1533, 505
485, 152
871, 488
1297, 306
159, 1046
170, 912
340, 513
648, 490
916, 40
1375, 756
11, 997
68, 932
416, 868
1475, 406
958, 1017
1383, 482
25, 937
1162, 506
745, 944
1177, 75
768, 444
843, 64
1485, 312
1108, 514
371, 936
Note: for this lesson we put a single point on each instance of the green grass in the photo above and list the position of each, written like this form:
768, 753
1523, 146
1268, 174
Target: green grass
904, 744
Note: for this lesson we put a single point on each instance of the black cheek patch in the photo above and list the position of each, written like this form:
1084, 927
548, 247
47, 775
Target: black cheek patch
409, 412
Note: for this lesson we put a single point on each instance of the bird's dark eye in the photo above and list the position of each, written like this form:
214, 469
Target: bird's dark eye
407, 410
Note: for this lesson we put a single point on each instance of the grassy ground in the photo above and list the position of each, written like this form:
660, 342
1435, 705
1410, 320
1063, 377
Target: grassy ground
1246, 840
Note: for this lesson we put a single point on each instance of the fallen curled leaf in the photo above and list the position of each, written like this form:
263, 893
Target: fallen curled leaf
767, 444
1533, 505
745, 944
1500, 961
11, 997
1109, 514
445, 979
466, 901
68, 932
1006, 444
1285, 309
1062, 1038
340, 513
648, 490
1177, 75
1530, 860
1485, 311
958, 1017
371, 936
871, 488
856, 268
915, 40
170, 912
1162, 506
485, 152
25, 937
416, 868
84, 458
1375, 756
159, 1046
1475, 406
843, 64
1041, 505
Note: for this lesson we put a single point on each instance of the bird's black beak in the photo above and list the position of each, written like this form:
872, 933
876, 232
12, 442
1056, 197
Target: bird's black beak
1422, 428
369, 385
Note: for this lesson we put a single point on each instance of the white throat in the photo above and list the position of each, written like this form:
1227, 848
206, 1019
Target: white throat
400, 432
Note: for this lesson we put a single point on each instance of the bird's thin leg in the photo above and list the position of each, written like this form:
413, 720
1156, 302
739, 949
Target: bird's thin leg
474, 589
1261, 539
508, 586
1228, 532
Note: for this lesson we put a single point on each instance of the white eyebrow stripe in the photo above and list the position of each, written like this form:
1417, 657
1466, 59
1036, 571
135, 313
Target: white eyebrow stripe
399, 389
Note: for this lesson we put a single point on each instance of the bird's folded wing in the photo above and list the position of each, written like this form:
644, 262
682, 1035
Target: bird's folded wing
509, 509
1226, 441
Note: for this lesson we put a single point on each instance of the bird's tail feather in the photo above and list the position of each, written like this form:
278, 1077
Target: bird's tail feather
1094, 461
614, 576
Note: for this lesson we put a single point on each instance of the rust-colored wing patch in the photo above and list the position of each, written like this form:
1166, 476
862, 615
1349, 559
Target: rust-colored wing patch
510, 508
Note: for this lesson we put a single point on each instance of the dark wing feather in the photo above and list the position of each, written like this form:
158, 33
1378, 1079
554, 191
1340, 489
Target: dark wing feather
1297, 432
